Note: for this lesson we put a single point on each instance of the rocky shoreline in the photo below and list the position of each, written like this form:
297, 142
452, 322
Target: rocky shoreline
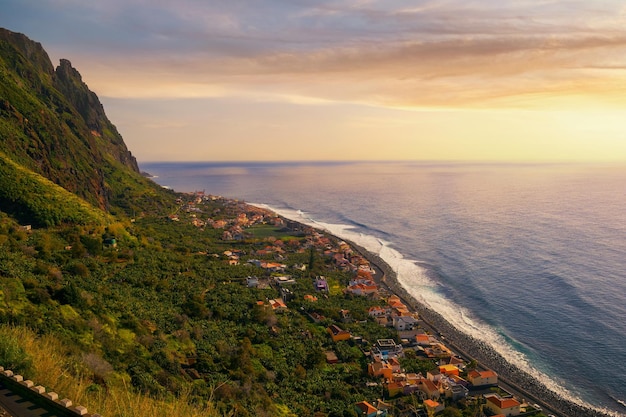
511, 377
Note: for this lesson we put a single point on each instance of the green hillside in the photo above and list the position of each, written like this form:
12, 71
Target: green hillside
137, 301
53, 125
35, 200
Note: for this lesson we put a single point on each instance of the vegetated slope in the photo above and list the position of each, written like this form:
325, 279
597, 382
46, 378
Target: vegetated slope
160, 305
53, 125
45, 204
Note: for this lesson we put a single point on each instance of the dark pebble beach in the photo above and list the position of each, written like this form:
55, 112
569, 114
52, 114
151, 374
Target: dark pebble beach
511, 377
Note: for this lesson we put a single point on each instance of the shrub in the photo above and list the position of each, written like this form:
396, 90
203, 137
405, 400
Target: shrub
13, 356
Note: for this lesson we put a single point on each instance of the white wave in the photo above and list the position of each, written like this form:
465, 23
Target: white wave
414, 279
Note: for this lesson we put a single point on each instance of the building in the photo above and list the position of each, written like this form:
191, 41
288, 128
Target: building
507, 406
437, 350
337, 333
482, 378
366, 409
377, 312
321, 284
369, 289
395, 388
287, 295
433, 406
252, 282
449, 370
454, 391
402, 323
331, 357
387, 348
382, 369
284, 280
429, 388
278, 305
422, 339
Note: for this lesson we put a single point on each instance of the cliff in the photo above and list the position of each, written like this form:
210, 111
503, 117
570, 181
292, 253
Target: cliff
53, 125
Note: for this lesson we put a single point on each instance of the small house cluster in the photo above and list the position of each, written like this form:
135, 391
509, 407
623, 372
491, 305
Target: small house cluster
233, 219
451, 380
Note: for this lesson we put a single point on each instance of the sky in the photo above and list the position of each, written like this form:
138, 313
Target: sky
273, 80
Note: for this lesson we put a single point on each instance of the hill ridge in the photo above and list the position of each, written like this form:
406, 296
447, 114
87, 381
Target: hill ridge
52, 124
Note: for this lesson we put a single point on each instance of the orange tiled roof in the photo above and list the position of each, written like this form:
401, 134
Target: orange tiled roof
422, 337
488, 374
364, 274
509, 403
445, 369
503, 403
277, 303
366, 407
431, 403
396, 303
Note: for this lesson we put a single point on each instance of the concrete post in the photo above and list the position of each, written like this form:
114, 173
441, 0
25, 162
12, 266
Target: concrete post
51, 396
39, 389
80, 410
65, 402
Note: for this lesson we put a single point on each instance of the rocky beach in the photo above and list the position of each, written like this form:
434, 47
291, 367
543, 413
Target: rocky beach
511, 377
528, 280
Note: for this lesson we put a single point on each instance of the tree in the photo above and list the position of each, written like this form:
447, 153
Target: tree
451, 412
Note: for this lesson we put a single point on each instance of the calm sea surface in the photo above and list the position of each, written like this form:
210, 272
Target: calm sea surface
530, 258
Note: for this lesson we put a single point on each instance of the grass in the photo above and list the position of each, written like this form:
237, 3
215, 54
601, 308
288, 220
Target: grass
58, 368
43, 201
264, 231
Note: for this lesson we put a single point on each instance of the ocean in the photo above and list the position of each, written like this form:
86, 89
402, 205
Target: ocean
530, 258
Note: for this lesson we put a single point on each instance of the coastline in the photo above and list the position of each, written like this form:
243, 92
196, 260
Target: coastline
511, 377
472, 347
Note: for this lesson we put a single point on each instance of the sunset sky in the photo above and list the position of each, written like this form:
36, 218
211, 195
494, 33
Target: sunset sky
347, 79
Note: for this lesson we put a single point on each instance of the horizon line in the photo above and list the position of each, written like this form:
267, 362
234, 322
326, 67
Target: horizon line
425, 161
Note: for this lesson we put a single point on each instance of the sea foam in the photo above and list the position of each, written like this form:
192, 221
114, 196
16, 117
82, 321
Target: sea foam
415, 279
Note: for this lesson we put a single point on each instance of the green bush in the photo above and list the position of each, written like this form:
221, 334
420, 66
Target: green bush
13, 356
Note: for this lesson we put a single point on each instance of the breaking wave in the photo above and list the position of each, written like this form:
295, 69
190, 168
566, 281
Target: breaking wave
419, 280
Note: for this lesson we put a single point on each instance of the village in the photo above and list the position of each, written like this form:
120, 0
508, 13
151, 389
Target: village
452, 379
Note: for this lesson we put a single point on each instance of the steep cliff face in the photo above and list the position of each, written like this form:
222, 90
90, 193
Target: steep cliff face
31, 50
69, 82
52, 124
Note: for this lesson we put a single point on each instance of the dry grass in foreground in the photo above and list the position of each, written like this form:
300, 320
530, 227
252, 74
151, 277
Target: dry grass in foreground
52, 364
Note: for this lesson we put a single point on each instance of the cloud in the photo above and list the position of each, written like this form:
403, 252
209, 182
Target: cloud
381, 52
468, 71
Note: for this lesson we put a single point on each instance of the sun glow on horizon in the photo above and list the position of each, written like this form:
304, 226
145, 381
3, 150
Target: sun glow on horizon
349, 80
